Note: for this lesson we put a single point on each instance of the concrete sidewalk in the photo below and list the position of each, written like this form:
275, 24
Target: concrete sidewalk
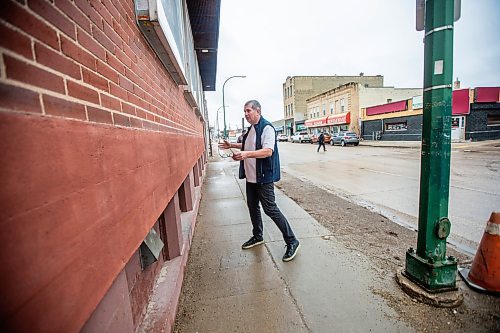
326, 288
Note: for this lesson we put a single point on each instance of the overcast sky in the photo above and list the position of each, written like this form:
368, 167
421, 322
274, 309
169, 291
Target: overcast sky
268, 40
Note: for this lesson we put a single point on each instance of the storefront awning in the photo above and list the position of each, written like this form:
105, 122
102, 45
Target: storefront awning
338, 119
460, 102
386, 108
316, 122
487, 94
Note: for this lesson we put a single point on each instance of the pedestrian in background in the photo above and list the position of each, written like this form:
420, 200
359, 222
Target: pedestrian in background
240, 138
260, 165
321, 142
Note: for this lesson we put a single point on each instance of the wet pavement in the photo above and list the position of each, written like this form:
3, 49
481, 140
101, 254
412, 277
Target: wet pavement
326, 288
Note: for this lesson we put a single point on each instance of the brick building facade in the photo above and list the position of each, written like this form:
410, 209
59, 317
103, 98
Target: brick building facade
103, 155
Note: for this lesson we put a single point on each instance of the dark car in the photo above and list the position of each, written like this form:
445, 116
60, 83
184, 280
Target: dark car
345, 138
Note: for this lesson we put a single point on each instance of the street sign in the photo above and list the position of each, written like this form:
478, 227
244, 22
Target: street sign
420, 13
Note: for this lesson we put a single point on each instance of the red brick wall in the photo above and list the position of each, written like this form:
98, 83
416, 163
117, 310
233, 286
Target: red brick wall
95, 138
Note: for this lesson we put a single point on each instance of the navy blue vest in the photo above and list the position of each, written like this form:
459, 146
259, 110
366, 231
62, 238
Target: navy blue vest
268, 168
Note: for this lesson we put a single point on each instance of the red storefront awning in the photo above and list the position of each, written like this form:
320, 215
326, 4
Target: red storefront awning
386, 108
487, 94
460, 102
343, 118
316, 122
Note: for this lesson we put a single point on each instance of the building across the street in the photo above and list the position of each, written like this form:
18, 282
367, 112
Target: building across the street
475, 116
279, 126
297, 89
339, 109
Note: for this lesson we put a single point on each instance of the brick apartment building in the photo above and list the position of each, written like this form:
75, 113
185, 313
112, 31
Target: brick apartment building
103, 141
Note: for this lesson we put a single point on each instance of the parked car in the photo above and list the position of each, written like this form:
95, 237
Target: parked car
328, 137
282, 138
300, 137
345, 138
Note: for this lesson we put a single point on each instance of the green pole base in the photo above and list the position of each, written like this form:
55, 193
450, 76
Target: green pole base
437, 276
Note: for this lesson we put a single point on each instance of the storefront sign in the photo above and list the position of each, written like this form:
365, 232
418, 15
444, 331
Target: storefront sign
401, 126
316, 122
343, 118
417, 102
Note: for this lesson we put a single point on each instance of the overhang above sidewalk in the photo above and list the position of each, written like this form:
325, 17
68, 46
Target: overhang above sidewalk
204, 16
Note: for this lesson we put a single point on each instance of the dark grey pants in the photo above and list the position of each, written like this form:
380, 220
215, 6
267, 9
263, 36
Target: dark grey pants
264, 194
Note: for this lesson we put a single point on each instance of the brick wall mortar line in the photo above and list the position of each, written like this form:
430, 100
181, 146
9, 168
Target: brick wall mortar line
156, 81
175, 129
3, 71
44, 20
39, 65
50, 93
42, 104
86, 114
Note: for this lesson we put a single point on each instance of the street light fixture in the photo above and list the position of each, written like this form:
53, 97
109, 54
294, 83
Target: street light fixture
217, 120
223, 104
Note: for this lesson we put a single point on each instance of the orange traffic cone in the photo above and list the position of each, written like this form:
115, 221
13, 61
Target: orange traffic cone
484, 273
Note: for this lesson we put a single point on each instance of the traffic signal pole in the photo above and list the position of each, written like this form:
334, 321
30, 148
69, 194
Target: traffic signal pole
429, 266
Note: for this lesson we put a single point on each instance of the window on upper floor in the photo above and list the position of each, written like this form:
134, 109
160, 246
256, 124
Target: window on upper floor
331, 108
342, 105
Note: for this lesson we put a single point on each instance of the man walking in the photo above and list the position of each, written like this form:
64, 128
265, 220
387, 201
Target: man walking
321, 142
259, 164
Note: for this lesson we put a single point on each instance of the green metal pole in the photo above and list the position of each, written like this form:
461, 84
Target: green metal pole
429, 266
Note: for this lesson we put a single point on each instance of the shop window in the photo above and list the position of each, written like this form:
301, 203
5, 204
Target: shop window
493, 120
399, 126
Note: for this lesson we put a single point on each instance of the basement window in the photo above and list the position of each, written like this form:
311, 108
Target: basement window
151, 248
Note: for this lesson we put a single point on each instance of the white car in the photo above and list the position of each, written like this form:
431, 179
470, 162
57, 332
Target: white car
282, 138
300, 137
